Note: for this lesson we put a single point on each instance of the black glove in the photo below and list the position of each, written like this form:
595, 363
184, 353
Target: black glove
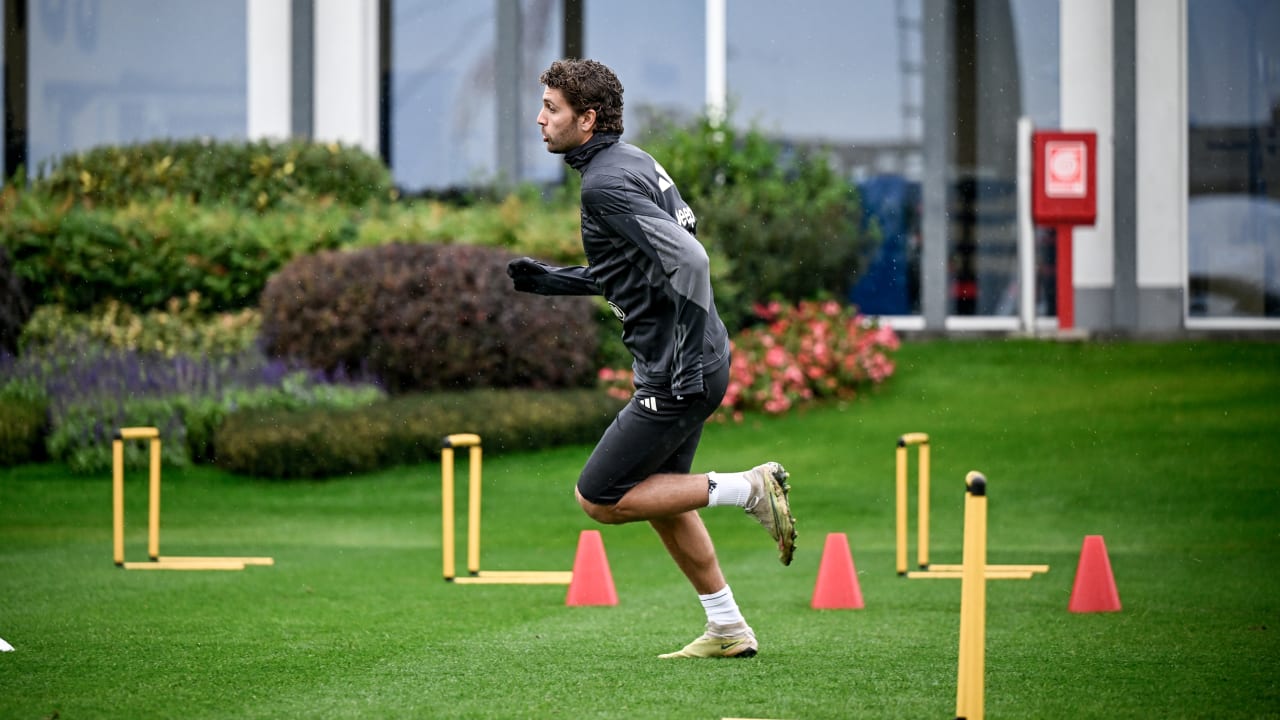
524, 273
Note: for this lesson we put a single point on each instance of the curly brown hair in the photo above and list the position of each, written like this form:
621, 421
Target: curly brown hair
588, 85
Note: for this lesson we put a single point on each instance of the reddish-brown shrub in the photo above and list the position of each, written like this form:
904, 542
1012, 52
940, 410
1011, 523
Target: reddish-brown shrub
427, 317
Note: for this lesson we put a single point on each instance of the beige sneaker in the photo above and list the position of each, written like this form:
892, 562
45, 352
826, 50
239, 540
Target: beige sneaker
720, 641
769, 505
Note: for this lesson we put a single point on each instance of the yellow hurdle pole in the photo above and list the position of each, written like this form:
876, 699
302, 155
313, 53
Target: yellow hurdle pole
153, 514
117, 501
473, 516
117, 483
922, 506
446, 498
901, 523
446, 510
973, 601
901, 462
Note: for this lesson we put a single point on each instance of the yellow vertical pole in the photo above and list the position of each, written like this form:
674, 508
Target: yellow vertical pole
922, 542
973, 601
117, 501
446, 511
901, 467
473, 516
153, 514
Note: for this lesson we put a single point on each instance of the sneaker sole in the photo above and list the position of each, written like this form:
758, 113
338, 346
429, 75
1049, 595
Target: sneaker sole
748, 652
783, 520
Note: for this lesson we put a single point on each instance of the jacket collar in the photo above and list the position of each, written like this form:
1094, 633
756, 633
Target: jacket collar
579, 157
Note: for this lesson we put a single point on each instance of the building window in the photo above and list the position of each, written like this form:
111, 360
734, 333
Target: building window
445, 91
1006, 65
123, 72
658, 51
846, 78
1233, 107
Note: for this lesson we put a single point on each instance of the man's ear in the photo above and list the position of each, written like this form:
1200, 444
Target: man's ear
587, 121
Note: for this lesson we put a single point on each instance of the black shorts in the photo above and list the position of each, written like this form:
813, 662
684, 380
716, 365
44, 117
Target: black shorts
654, 433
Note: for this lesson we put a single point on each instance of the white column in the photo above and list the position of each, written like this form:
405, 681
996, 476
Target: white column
1162, 143
717, 60
1087, 87
346, 72
269, 47
1026, 230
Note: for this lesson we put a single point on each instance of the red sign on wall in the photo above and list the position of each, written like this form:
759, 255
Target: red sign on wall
1063, 178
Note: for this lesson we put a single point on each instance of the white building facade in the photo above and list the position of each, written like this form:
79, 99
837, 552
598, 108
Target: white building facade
917, 100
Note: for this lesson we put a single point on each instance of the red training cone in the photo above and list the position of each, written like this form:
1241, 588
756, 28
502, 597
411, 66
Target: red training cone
837, 586
592, 583
1095, 587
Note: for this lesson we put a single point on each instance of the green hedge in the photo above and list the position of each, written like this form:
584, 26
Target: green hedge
257, 175
23, 423
406, 429
181, 328
144, 255
15, 306
188, 422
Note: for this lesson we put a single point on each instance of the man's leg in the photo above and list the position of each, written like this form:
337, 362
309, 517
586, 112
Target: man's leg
661, 495
689, 544
763, 494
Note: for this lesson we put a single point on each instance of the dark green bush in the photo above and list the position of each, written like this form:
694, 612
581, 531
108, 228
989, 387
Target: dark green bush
427, 317
786, 223
15, 306
23, 421
406, 429
253, 175
144, 255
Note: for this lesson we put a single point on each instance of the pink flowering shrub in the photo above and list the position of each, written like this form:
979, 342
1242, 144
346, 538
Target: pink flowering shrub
806, 352
802, 353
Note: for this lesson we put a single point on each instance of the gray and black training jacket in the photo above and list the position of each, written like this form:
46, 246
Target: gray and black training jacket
638, 235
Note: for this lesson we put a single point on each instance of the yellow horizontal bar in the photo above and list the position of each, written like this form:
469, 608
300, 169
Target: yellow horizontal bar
566, 574
916, 438
1013, 568
954, 575
517, 578
461, 440
209, 565
241, 560
137, 433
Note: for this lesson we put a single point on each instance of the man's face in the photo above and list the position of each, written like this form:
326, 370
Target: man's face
562, 130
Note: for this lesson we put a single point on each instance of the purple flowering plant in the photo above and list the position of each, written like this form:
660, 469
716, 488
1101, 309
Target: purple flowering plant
92, 389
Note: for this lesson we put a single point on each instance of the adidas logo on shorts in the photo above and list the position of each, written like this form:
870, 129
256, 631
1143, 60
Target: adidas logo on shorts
649, 403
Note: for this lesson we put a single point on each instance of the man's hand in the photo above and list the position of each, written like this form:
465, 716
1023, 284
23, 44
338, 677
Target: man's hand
524, 271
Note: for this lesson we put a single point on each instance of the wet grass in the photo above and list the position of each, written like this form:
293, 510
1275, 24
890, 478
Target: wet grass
1167, 450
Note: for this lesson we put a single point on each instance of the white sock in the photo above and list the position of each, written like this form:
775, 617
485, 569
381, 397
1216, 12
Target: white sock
728, 489
721, 608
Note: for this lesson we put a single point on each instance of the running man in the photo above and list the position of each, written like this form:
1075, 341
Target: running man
638, 235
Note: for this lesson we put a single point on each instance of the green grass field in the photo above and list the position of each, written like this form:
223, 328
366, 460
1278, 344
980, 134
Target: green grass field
1166, 450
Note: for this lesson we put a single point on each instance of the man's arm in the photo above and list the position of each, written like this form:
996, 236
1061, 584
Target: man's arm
534, 276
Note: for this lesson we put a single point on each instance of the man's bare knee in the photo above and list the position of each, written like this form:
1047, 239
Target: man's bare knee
605, 514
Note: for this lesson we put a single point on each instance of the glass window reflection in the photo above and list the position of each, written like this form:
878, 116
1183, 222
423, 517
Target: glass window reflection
657, 49
134, 70
1233, 107
444, 91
